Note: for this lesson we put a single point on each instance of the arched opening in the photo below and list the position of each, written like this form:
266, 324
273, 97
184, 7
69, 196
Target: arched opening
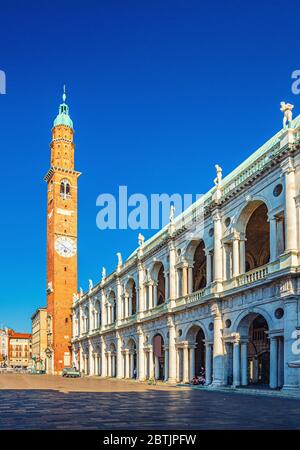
132, 369
159, 357
65, 189
255, 350
111, 308
257, 233
199, 267
196, 338
131, 298
113, 360
161, 288
259, 352
86, 319
97, 315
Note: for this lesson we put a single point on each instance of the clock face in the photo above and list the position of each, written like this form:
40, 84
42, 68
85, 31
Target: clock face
65, 246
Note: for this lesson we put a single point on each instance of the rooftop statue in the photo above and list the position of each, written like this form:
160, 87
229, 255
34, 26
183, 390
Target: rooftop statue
141, 240
90, 285
103, 273
218, 179
286, 108
119, 259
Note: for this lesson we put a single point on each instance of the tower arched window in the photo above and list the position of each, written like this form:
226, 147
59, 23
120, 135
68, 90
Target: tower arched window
65, 189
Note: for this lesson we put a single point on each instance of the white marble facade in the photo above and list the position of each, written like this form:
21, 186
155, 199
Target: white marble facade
220, 292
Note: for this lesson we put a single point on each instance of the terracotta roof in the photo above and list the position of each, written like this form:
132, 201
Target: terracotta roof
14, 335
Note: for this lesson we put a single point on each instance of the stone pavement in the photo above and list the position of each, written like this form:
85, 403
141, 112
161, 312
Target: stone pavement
43, 402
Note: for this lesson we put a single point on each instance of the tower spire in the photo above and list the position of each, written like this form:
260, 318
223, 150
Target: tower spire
64, 96
63, 117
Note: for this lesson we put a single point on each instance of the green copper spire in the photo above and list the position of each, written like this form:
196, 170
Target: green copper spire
63, 117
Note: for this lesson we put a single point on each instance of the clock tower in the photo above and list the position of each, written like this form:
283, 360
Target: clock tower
61, 179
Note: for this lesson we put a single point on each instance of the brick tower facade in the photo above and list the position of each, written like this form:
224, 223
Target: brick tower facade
61, 179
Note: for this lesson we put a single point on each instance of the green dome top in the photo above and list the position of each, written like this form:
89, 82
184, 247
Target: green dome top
63, 117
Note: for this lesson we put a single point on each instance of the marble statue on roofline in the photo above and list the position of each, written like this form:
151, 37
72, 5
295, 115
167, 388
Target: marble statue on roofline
141, 240
218, 179
103, 273
286, 109
119, 259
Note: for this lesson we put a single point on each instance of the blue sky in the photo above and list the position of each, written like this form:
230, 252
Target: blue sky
159, 91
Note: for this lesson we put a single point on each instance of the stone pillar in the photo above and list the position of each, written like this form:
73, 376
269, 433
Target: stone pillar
131, 364
119, 366
280, 379
127, 373
103, 359
242, 256
141, 355
290, 319
192, 362
172, 350
208, 363
235, 257
178, 378
273, 362
184, 281
244, 362
130, 305
151, 363
167, 285
273, 238
166, 374
109, 371
155, 294
103, 308
150, 294
236, 363
141, 287
126, 304
156, 367
172, 271
218, 269
91, 359
290, 206
208, 267
186, 378
218, 350
190, 279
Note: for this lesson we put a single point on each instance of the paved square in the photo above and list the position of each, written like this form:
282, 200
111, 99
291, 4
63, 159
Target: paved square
44, 402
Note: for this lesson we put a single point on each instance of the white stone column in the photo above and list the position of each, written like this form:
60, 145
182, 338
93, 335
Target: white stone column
109, 371
91, 359
119, 365
192, 362
166, 374
218, 349
290, 319
218, 269
177, 365
280, 379
208, 267
150, 294
130, 305
155, 294
126, 304
208, 363
131, 364
184, 280
103, 359
273, 238
290, 206
236, 363
141, 355
190, 279
273, 362
167, 285
242, 256
151, 363
244, 363
172, 350
156, 367
103, 308
186, 378
141, 275
127, 374
172, 271
236, 257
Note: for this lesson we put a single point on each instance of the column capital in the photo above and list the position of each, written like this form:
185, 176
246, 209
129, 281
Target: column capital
287, 166
216, 215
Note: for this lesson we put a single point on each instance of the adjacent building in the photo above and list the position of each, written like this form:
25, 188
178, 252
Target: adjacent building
4, 352
39, 338
19, 345
217, 289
